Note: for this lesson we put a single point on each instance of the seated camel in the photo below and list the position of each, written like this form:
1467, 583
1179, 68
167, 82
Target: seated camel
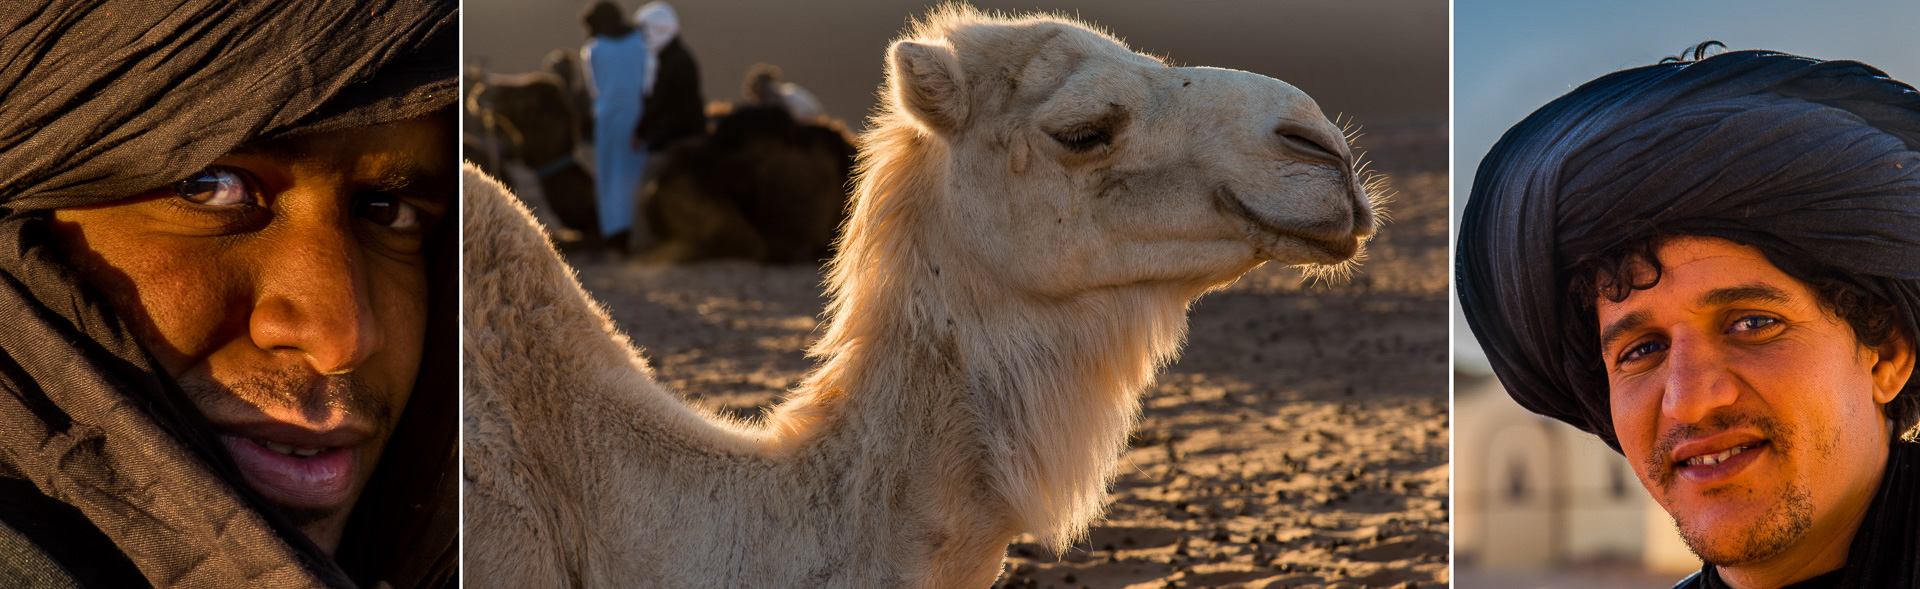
531, 118
763, 186
1036, 208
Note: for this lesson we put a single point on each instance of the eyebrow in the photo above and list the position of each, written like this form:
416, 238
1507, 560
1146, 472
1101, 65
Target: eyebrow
1625, 324
1756, 292
405, 175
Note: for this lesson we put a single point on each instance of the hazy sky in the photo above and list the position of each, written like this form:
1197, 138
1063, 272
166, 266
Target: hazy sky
1382, 61
1513, 56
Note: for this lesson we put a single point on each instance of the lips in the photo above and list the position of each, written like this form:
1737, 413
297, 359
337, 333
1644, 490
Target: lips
1718, 459
296, 467
1712, 459
1327, 242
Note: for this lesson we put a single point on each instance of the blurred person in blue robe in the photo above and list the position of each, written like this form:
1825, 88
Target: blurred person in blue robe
617, 58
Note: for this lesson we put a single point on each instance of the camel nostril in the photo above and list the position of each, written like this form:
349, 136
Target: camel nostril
1304, 144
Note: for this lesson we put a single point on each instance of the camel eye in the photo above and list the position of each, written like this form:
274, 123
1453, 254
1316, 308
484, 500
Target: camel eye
1083, 139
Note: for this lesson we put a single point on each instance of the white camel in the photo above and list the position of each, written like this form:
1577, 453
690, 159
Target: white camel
1037, 206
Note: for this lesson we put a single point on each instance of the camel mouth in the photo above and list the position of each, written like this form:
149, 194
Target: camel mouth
1325, 242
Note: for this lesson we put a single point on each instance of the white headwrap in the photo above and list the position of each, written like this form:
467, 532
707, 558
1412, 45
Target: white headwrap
660, 25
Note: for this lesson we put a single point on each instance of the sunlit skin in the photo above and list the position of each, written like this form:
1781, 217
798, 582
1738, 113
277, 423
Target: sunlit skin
1729, 352
285, 289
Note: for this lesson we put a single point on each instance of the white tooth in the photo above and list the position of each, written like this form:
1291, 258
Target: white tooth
1712, 459
306, 452
275, 446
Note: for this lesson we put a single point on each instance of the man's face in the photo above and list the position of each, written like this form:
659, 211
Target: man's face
1750, 412
285, 287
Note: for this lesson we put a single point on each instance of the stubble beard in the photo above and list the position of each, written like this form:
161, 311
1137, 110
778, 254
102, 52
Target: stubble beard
1786, 521
1789, 520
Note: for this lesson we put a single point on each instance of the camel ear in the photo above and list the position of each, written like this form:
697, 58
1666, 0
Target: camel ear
927, 82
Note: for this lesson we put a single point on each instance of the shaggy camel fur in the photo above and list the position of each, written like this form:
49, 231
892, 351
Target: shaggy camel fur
1037, 206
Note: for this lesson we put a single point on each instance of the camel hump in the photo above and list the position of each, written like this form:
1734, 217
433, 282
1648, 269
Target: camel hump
512, 269
496, 223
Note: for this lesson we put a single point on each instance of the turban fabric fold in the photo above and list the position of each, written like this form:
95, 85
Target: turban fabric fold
1816, 163
102, 100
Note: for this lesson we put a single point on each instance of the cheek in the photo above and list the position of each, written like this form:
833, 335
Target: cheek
1823, 385
1163, 205
1635, 407
176, 295
1031, 224
1850, 400
398, 293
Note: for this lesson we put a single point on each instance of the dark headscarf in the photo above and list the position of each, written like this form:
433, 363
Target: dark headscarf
102, 100
1813, 162
603, 19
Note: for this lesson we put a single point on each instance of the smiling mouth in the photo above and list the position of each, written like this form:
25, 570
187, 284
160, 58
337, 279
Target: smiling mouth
1717, 457
1714, 466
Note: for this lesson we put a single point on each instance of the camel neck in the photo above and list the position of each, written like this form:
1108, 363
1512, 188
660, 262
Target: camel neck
1033, 398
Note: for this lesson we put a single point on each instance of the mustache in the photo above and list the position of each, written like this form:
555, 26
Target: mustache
1660, 466
299, 389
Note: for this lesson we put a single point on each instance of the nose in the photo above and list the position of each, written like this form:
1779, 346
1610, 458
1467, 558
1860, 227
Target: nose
311, 297
1698, 382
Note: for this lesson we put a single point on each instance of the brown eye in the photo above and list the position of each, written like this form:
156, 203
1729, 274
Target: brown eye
217, 186
389, 211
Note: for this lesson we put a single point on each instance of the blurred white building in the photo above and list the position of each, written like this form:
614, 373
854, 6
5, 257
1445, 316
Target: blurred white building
1533, 494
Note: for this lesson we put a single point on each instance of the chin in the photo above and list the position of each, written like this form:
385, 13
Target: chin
1725, 532
324, 526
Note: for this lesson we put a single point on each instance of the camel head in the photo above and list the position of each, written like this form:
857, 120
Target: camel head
1072, 163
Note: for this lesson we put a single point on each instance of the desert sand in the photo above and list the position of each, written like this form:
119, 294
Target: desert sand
1300, 440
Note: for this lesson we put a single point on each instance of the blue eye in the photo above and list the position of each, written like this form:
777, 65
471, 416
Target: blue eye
217, 186
1642, 350
1753, 322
